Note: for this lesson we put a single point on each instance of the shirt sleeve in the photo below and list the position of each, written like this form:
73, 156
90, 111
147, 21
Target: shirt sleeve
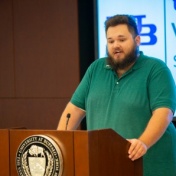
162, 89
80, 95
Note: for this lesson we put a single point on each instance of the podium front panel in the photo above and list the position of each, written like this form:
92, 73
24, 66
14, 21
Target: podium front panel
4, 152
64, 140
84, 153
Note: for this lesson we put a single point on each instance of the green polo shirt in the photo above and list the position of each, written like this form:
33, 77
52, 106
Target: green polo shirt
125, 104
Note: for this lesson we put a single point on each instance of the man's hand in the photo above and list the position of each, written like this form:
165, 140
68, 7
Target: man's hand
137, 149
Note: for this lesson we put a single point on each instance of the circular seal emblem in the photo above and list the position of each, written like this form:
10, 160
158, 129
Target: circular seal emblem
39, 155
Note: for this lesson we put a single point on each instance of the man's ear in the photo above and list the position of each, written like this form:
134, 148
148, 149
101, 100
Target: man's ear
138, 40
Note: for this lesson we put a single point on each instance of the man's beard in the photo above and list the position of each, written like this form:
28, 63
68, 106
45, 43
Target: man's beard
127, 61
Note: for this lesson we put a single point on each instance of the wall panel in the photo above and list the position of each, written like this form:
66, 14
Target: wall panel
39, 61
46, 48
6, 50
31, 113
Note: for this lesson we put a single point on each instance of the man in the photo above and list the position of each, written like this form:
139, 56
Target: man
131, 93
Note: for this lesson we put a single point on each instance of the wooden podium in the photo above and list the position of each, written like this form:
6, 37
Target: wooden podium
4, 152
85, 153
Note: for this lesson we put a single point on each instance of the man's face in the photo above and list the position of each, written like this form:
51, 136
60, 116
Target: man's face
122, 46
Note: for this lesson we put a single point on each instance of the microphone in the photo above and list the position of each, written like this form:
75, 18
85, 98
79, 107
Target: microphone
68, 117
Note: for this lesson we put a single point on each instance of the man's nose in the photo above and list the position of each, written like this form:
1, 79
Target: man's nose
116, 44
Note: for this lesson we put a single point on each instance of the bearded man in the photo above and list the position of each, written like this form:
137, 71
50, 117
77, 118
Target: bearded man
131, 93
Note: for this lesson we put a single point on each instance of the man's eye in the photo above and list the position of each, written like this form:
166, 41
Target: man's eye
121, 40
110, 41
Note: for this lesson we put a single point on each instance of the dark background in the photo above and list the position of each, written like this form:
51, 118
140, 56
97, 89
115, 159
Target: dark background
45, 49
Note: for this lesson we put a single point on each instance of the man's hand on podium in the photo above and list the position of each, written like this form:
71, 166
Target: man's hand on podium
137, 149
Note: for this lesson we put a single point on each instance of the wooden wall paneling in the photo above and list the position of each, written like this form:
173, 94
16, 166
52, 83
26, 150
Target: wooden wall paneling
31, 114
6, 50
46, 48
39, 64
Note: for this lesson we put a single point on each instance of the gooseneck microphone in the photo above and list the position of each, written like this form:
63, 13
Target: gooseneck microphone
68, 117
